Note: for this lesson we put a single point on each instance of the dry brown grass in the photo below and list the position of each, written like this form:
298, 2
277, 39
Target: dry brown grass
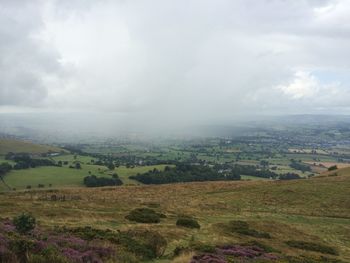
329, 164
183, 258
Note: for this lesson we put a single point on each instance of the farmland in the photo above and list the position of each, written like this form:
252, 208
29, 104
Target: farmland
255, 205
67, 177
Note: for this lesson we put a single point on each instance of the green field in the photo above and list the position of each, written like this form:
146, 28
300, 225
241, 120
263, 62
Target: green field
68, 177
72, 158
249, 177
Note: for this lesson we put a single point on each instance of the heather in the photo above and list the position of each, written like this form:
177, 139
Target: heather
243, 228
227, 253
19, 244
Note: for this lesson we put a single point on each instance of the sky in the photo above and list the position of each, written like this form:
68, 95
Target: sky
183, 61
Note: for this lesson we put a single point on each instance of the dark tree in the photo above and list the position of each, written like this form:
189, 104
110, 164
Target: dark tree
24, 223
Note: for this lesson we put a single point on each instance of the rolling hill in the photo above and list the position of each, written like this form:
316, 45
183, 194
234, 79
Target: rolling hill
299, 221
17, 146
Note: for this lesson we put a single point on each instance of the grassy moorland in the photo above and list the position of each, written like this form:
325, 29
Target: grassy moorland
288, 213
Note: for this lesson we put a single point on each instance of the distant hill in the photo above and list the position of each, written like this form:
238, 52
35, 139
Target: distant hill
17, 146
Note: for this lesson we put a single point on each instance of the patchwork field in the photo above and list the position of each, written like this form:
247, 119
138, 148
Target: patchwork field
299, 221
57, 177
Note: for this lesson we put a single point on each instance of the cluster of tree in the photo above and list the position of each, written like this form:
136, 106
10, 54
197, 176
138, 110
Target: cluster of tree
94, 181
25, 161
298, 165
246, 170
61, 163
183, 173
128, 160
289, 176
5, 168
76, 165
332, 168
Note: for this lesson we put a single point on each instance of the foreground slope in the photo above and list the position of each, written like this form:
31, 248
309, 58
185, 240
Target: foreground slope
313, 210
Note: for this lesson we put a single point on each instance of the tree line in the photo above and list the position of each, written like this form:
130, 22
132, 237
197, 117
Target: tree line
183, 173
94, 181
25, 161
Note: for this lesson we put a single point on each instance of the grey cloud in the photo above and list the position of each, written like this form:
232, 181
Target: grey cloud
24, 60
182, 61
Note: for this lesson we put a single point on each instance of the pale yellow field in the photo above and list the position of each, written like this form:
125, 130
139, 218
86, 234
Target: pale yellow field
329, 164
16, 146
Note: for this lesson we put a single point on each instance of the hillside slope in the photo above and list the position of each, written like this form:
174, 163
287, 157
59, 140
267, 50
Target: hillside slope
311, 210
338, 172
17, 146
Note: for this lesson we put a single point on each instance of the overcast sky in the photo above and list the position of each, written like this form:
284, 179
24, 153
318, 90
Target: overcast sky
184, 60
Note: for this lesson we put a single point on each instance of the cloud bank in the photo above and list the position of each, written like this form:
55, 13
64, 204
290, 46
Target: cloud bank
178, 60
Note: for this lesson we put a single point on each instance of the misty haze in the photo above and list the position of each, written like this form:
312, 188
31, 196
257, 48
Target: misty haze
194, 131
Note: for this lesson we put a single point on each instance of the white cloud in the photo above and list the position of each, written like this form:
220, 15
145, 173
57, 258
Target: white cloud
182, 60
303, 86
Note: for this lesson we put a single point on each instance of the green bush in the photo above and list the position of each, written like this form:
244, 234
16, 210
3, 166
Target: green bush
24, 223
21, 248
143, 244
311, 246
150, 239
242, 227
263, 246
144, 215
89, 233
187, 222
52, 257
201, 247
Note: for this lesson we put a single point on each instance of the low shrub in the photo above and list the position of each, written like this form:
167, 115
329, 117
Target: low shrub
311, 246
21, 248
89, 233
242, 227
201, 247
188, 222
150, 239
144, 244
208, 258
263, 246
311, 259
144, 215
235, 253
49, 255
24, 223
